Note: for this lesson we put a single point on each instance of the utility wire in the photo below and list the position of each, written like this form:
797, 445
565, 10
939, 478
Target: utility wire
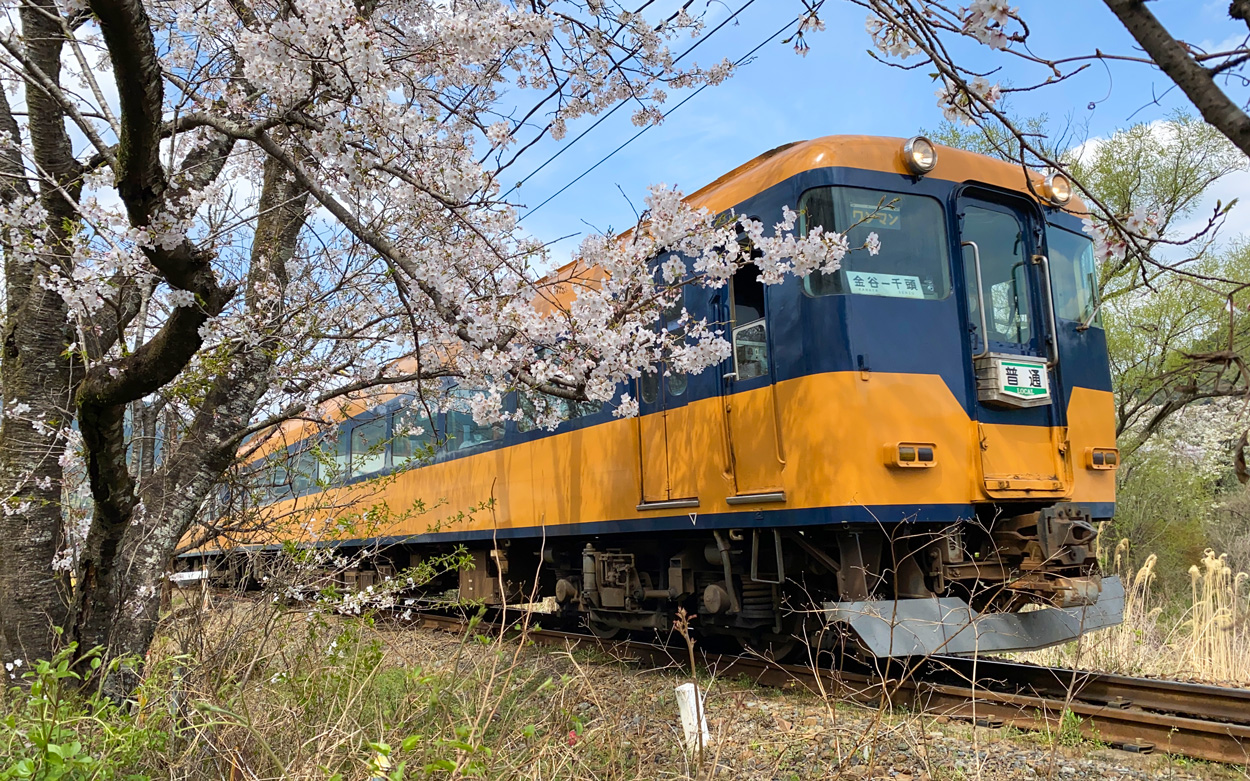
666, 115
620, 105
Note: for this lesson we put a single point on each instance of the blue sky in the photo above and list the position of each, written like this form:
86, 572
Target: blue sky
837, 88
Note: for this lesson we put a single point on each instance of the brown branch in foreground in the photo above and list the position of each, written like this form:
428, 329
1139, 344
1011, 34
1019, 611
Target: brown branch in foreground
1174, 59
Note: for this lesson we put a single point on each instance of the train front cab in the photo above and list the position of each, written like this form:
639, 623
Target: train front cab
954, 387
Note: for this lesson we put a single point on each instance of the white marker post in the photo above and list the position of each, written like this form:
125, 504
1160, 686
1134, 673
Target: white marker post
693, 716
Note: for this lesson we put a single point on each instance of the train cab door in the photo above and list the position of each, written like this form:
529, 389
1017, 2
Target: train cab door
1012, 347
748, 395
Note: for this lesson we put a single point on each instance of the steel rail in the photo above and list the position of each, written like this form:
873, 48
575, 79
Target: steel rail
1136, 714
1215, 703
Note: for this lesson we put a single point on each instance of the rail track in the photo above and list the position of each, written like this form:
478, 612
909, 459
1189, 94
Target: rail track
1141, 715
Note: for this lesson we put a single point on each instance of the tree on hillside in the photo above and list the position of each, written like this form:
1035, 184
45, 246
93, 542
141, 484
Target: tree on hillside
228, 214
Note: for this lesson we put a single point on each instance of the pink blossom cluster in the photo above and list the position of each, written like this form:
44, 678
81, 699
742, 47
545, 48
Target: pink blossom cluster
1112, 242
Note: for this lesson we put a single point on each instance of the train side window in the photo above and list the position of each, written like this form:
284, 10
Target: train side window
342, 456
913, 260
677, 382
369, 447
534, 406
304, 472
271, 480
1074, 276
670, 314
412, 437
462, 430
674, 382
649, 386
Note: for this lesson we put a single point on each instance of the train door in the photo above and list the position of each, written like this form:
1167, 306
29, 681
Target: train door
652, 448
1012, 347
749, 402
666, 433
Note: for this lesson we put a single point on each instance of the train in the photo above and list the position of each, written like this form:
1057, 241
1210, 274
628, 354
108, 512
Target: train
912, 455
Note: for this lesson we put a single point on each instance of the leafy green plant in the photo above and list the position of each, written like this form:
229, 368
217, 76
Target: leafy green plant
53, 728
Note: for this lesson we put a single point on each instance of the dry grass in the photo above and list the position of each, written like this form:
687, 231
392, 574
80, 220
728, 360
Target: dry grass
252, 690
1207, 640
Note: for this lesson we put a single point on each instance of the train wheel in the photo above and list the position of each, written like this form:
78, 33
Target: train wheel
775, 649
603, 631
718, 644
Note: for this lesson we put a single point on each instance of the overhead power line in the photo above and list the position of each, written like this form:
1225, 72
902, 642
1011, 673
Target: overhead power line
620, 105
666, 115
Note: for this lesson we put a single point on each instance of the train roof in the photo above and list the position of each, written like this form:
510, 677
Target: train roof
870, 153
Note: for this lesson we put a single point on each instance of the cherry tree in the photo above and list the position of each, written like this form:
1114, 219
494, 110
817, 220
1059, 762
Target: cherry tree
228, 214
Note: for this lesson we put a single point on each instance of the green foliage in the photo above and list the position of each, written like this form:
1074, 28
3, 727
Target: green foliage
53, 729
994, 140
1165, 166
1165, 510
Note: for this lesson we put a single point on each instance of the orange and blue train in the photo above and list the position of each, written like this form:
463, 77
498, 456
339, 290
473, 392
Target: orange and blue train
917, 450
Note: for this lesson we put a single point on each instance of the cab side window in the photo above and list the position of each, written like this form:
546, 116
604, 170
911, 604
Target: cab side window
750, 335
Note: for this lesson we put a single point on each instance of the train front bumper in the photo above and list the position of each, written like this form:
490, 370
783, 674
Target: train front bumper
948, 625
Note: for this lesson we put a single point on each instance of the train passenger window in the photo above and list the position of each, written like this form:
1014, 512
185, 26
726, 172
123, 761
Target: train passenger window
412, 436
1073, 276
670, 314
369, 447
649, 386
341, 466
462, 430
535, 406
649, 383
750, 342
274, 486
677, 382
913, 261
304, 471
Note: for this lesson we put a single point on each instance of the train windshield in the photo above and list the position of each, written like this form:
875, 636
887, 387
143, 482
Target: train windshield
913, 261
1074, 276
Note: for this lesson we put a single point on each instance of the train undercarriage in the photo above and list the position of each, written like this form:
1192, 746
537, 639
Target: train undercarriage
1011, 582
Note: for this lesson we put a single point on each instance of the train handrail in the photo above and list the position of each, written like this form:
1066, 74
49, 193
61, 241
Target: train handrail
1052, 351
985, 335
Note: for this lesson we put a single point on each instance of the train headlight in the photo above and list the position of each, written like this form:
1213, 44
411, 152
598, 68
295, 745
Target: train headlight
1057, 188
919, 155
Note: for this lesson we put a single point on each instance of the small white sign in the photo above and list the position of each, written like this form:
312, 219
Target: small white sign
1024, 380
693, 716
892, 285
190, 576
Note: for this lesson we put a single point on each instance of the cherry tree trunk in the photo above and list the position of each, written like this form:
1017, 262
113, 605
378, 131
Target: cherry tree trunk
34, 363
